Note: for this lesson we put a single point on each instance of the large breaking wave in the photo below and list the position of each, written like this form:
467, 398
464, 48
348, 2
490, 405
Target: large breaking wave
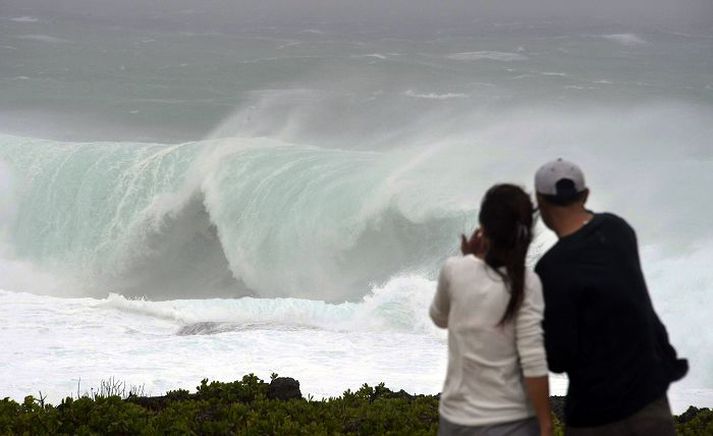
259, 216
231, 217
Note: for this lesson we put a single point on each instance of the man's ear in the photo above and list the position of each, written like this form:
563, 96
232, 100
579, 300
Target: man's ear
585, 196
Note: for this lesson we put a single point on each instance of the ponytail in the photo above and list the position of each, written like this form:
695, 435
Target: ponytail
506, 219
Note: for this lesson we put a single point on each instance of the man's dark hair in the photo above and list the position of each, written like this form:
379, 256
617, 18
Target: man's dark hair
567, 194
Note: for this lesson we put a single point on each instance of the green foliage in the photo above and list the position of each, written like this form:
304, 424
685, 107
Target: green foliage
242, 407
695, 422
249, 389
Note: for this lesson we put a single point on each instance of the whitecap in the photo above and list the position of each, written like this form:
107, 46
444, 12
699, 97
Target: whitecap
44, 38
313, 31
487, 55
24, 19
435, 96
627, 39
375, 55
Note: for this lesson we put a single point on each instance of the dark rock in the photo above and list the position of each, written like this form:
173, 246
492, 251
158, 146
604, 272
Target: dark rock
204, 328
284, 388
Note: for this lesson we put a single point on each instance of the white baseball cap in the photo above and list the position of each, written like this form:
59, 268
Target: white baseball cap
559, 178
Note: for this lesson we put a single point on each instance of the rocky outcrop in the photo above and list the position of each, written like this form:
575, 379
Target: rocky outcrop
284, 388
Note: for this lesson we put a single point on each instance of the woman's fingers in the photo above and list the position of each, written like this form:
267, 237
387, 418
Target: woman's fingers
474, 245
464, 245
477, 244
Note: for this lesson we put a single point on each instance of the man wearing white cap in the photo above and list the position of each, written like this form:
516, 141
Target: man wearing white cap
600, 326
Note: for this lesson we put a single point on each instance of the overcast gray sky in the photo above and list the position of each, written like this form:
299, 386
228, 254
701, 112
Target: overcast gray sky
404, 14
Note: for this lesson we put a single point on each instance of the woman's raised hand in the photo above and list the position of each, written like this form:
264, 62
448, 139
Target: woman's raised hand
476, 245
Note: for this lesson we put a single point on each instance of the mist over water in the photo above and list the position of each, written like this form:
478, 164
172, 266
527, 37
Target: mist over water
313, 169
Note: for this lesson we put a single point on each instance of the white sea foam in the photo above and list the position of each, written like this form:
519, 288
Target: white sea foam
147, 350
397, 306
435, 96
313, 31
24, 19
487, 55
44, 38
627, 39
376, 55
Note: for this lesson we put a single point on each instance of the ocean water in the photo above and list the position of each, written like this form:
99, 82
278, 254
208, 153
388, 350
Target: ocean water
178, 204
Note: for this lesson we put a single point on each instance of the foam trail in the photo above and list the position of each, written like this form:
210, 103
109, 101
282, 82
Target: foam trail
399, 305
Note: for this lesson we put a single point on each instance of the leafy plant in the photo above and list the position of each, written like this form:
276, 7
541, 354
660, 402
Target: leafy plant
242, 407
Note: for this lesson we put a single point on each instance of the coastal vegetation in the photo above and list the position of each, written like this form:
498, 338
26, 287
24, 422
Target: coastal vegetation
249, 406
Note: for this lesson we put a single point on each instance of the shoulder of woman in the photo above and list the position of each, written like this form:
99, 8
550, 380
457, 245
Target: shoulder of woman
457, 262
461, 264
532, 281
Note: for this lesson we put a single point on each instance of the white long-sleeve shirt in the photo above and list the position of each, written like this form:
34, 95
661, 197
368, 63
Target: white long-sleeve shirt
486, 362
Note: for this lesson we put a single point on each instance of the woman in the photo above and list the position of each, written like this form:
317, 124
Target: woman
492, 306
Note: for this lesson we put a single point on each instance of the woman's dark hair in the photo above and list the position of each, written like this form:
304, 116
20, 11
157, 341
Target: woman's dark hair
506, 217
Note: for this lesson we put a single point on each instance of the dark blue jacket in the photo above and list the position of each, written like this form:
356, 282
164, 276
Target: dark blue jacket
600, 326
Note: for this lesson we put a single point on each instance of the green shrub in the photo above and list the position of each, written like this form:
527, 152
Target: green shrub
695, 422
242, 407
